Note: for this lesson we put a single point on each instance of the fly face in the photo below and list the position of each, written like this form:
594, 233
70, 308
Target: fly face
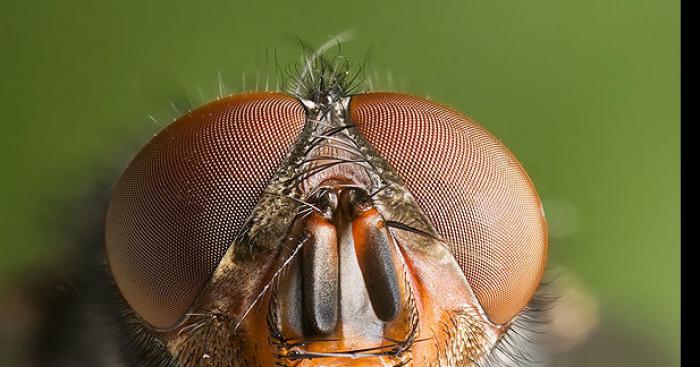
326, 228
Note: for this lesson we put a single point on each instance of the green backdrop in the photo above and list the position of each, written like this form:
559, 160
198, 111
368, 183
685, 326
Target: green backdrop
585, 93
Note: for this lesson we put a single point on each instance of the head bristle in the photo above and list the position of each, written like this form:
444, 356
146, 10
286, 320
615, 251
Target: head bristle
321, 77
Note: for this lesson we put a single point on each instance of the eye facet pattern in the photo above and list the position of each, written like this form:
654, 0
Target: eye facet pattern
470, 186
183, 199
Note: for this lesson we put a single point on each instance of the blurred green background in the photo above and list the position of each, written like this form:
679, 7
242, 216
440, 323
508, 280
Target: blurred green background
585, 93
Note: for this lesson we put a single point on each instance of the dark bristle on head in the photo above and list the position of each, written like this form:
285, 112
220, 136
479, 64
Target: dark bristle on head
324, 76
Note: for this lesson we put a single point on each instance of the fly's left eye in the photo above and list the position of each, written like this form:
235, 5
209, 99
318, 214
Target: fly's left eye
181, 201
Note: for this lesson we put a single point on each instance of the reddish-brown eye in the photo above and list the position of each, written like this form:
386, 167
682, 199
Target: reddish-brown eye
181, 201
471, 187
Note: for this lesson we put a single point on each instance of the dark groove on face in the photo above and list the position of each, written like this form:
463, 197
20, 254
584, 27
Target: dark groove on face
288, 295
320, 277
372, 246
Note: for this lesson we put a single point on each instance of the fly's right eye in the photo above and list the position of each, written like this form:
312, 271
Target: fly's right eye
182, 200
471, 187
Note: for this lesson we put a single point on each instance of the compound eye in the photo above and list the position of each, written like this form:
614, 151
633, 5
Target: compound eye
181, 201
472, 189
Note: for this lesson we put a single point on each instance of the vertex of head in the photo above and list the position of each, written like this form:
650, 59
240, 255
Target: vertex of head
322, 79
